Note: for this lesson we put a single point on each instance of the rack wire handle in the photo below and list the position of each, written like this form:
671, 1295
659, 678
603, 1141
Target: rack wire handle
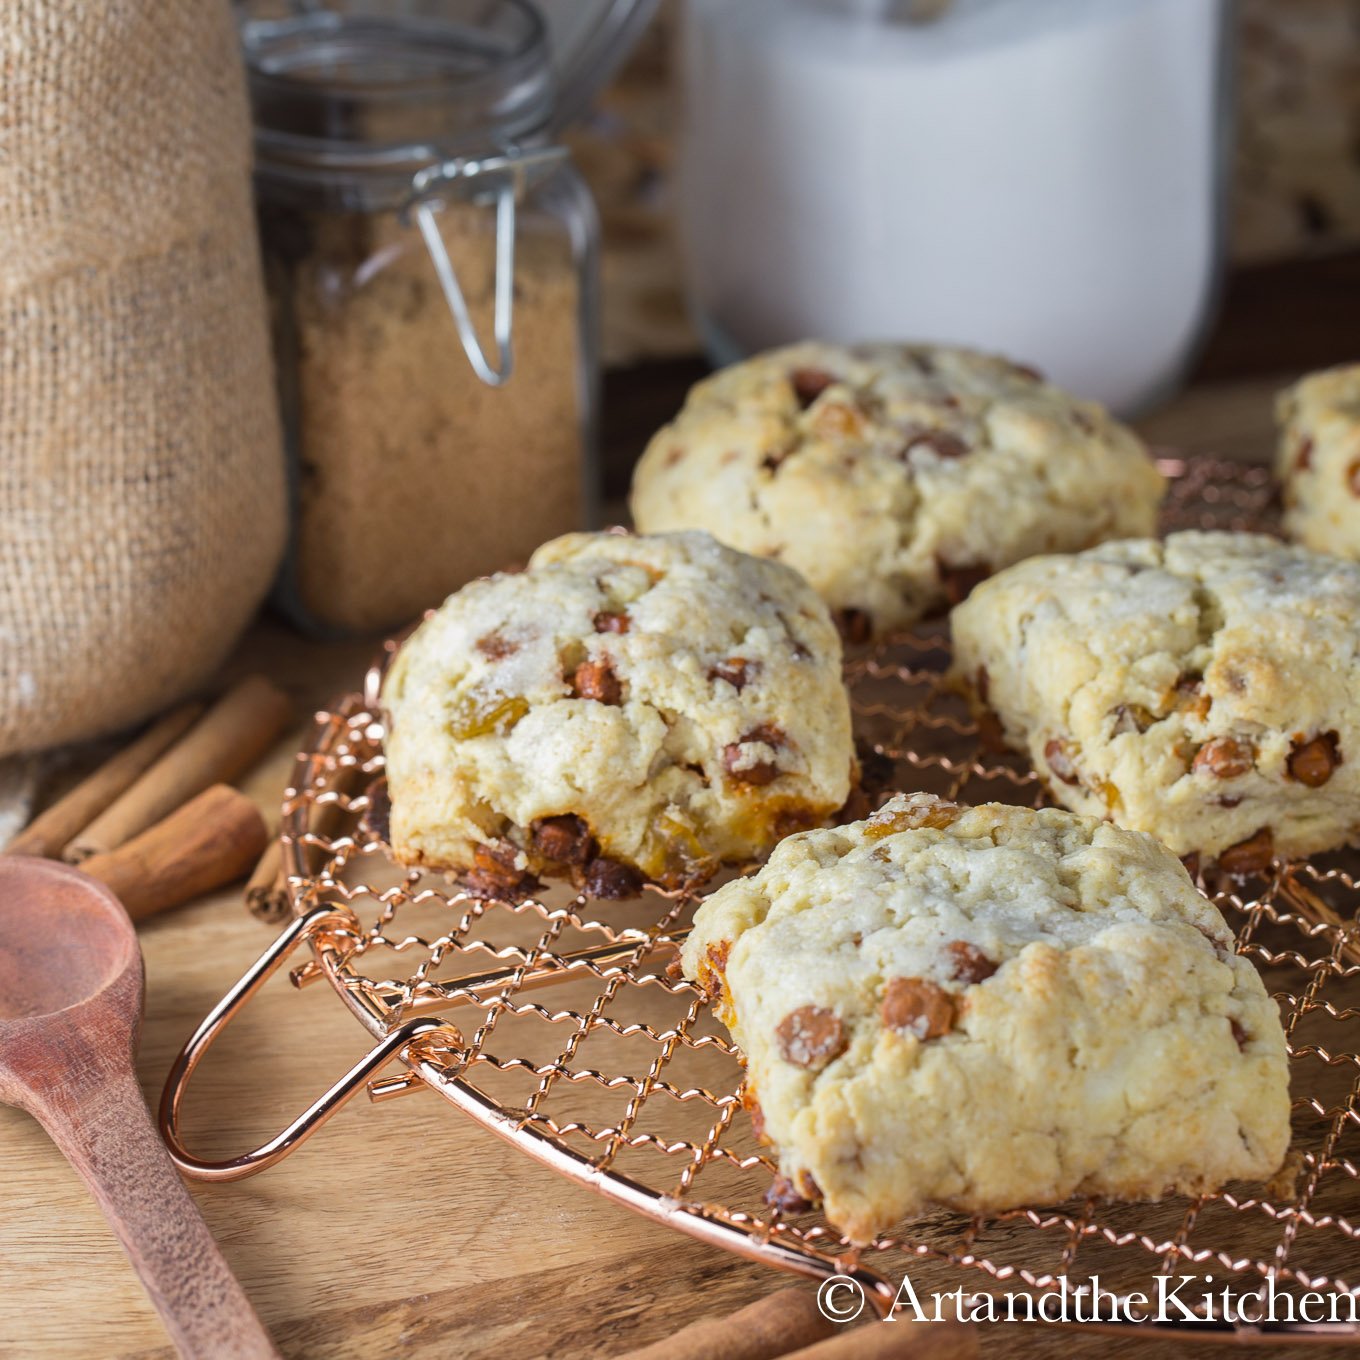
400, 1043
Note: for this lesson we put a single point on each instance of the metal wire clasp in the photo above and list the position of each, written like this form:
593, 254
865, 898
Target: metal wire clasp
502, 177
400, 1043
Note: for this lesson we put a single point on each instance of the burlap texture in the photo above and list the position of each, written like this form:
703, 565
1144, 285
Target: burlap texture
142, 506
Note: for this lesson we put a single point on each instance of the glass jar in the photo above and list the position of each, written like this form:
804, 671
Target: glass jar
1045, 179
431, 261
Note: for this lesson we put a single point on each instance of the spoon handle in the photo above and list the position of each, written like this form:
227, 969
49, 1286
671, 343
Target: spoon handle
109, 1138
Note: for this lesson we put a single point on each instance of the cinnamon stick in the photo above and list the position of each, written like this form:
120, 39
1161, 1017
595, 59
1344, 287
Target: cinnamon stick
220, 747
1316, 909
267, 889
211, 840
328, 820
771, 1327
71, 814
897, 1340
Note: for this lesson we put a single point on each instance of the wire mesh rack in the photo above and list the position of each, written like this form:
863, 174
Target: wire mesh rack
561, 1022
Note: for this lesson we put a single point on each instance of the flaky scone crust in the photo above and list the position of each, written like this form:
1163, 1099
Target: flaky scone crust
1090, 1030
893, 476
1318, 460
681, 701
1205, 688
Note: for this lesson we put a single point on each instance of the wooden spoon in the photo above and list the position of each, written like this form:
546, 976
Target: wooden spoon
70, 1014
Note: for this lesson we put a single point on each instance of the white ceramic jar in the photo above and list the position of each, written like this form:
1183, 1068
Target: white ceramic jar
1044, 179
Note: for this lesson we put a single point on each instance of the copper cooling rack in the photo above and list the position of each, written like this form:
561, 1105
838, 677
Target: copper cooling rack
560, 1023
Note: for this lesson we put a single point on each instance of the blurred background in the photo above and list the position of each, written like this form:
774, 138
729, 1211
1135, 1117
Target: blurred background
1289, 229
1294, 183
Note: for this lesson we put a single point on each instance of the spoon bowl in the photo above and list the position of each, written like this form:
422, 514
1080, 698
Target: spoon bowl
71, 989
65, 939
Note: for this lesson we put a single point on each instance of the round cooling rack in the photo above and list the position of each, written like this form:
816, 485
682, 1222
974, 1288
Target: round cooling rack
562, 1024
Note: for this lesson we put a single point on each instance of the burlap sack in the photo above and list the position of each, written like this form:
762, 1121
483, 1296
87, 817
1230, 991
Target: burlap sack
142, 504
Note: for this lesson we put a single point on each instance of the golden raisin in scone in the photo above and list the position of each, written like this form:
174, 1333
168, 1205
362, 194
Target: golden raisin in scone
1205, 689
983, 1008
1319, 460
894, 477
627, 707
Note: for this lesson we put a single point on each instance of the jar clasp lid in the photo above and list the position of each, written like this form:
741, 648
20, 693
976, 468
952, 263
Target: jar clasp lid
500, 178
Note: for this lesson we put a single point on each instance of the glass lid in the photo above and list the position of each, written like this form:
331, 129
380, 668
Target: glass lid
519, 65
589, 41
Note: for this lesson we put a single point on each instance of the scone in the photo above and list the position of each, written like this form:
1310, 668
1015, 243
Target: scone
983, 1008
625, 707
1319, 460
1205, 689
893, 476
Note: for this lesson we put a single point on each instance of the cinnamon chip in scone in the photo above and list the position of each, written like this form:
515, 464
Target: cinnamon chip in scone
811, 1036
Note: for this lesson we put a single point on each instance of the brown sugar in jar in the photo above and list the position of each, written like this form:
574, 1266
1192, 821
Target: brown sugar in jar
424, 451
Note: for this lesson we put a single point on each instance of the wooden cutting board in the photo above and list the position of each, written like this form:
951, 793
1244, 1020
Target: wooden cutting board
401, 1229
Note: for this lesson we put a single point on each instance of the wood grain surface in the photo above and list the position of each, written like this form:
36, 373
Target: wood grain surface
401, 1229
